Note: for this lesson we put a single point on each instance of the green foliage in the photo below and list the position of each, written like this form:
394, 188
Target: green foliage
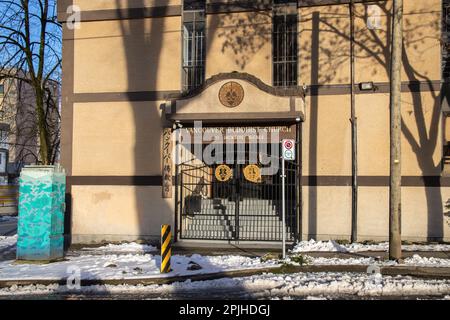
300, 259
270, 257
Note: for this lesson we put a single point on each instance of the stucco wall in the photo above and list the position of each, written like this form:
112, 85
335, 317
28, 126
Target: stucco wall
128, 55
117, 213
114, 60
117, 139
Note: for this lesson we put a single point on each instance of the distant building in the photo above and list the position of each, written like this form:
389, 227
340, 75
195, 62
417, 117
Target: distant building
18, 125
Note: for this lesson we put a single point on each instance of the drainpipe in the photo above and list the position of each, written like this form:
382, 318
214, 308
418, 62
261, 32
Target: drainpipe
354, 127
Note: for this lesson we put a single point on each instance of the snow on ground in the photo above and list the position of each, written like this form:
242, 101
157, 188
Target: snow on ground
333, 246
416, 261
8, 218
7, 244
128, 261
132, 266
419, 261
132, 247
269, 286
128, 266
310, 284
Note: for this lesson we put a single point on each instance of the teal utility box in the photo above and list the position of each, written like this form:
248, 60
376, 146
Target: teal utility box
40, 228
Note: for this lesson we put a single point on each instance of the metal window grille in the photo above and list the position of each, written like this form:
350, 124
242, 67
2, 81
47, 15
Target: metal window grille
282, 1
193, 48
236, 209
446, 40
194, 4
285, 48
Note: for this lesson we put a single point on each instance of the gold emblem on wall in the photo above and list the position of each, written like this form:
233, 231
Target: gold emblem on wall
252, 173
231, 94
223, 173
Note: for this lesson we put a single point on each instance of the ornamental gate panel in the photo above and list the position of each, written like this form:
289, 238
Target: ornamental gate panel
231, 206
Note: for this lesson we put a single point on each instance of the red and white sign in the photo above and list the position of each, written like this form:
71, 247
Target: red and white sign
288, 149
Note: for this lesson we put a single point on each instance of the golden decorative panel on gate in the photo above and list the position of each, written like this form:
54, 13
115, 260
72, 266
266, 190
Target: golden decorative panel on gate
252, 173
223, 173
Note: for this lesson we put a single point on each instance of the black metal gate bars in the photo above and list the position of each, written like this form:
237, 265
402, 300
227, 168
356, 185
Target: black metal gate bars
237, 208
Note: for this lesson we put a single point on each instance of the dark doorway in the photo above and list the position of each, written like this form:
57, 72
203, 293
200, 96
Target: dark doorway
231, 200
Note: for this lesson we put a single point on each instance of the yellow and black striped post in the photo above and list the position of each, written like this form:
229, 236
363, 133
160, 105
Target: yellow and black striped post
166, 248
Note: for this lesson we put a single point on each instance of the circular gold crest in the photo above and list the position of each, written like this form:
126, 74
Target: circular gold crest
231, 94
223, 173
252, 173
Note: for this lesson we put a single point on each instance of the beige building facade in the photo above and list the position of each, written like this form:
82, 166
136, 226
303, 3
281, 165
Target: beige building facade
128, 81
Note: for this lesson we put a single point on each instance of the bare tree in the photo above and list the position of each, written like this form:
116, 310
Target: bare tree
30, 53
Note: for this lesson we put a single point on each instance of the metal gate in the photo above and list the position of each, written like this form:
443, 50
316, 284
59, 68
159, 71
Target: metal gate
236, 209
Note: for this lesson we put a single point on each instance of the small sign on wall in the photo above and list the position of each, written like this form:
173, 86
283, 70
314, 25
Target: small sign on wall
167, 163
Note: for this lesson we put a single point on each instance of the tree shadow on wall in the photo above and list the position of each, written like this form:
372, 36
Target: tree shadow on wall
142, 44
324, 55
421, 131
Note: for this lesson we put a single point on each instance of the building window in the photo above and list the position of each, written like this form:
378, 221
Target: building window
193, 44
285, 44
2, 89
446, 40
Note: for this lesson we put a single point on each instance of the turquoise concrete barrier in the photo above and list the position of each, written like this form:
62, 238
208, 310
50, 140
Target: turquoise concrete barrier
41, 213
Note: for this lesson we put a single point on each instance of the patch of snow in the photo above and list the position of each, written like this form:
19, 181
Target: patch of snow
270, 286
126, 266
333, 246
419, 261
415, 260
318, 246
8, 218
132, 260
7, 244
123, 247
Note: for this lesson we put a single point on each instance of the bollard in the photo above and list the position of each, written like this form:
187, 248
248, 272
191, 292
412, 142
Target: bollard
166, 248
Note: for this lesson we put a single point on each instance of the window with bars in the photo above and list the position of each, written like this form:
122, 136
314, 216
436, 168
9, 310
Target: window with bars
446, 40
285, 45
193, 44
194, 5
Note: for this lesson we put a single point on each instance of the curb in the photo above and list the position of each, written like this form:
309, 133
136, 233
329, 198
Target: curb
416, 272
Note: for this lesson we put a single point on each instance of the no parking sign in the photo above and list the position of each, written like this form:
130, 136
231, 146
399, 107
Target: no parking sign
288, 149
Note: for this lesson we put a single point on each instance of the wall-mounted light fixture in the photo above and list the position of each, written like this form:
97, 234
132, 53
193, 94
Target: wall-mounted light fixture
366, 86
373, 17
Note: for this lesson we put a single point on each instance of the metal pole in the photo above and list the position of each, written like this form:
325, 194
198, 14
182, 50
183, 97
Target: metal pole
177, 162
395, 241
283, 205
299, 203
